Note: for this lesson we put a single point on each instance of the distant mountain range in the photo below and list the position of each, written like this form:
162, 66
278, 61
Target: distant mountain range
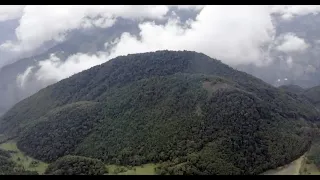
305, 73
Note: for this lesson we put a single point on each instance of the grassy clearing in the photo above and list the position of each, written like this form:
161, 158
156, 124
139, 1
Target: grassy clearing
146, 169
309, 168
3, 138
305, 165
301, 166
20, 158
290, 169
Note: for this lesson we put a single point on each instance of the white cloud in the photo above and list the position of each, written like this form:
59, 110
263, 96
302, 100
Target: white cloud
216, 32
39, 24
53, 69
103, 22
289, 61
8, 12
23, 78
188, 7
287, 12
291, 43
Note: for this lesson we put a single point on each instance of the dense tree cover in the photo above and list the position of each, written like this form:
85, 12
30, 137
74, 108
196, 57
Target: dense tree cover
8, 167
90, 84
292, 88
76, 165
184, 108
314, 155
313, 95
4, 153
60, 131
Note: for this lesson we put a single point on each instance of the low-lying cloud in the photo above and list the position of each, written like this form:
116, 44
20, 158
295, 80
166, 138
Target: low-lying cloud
9, 12
215, 32
23, 78
241, 39
54, 69
39, 24
234, 34
288, 12
290, 43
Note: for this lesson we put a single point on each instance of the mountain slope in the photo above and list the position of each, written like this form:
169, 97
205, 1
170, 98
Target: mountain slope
194, 112
9, 167
313, 95
76, 165
88, 41
292, 88
310, 94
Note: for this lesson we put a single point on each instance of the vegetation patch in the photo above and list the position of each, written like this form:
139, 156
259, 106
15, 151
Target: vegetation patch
21, 159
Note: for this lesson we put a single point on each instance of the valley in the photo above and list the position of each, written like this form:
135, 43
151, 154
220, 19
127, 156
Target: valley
21, 159
32, 164
304, 165
297, 167
290, 169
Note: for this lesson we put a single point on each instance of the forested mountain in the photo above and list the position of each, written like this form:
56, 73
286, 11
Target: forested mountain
87, 41
313, 95
78, 41
76, 165
195, 113
292, 88
305, 73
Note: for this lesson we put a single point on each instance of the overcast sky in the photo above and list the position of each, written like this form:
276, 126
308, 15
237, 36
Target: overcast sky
234, 34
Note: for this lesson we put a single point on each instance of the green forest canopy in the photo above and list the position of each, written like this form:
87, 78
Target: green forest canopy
195, 113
